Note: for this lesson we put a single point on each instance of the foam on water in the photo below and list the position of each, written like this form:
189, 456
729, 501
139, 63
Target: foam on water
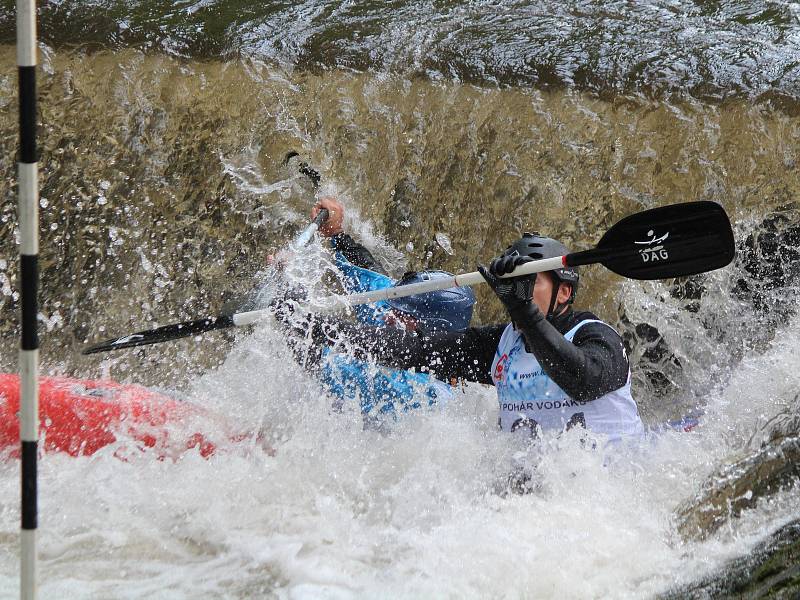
311, 505
339, 512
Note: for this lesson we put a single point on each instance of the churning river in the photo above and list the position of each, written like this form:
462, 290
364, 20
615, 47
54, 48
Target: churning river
447, 129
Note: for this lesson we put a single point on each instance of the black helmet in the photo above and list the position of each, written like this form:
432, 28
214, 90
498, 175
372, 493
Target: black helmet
537, 247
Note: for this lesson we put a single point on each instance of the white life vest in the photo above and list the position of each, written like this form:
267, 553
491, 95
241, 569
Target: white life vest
529, 398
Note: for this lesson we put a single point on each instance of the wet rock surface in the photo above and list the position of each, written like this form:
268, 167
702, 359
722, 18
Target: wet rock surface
771, 571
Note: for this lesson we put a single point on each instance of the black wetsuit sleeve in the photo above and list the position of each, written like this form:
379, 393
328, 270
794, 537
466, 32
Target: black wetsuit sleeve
592, 365
355, 253
464, 355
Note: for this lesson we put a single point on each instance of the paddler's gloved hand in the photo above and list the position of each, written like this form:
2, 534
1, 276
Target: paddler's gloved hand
286, 306
514, 292
303, 330
307, 335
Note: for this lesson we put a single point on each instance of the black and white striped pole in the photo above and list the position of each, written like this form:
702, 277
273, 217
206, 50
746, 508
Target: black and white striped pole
28, 181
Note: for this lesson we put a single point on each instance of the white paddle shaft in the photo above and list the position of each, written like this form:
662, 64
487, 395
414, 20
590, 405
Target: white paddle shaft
305, 236
464, 279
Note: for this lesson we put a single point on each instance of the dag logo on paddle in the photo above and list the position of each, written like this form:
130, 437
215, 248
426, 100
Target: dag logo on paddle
654, 249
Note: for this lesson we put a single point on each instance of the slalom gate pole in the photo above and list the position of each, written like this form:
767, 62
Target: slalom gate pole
28, 181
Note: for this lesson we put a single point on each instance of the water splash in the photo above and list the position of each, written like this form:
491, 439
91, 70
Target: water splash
338, 509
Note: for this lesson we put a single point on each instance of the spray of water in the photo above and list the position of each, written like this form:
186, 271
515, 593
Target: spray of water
309, 504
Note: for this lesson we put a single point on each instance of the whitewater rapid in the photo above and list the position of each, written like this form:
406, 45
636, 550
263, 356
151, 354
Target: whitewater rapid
317, 507
453, 127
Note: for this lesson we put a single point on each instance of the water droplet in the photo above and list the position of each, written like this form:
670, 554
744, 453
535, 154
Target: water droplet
444, 242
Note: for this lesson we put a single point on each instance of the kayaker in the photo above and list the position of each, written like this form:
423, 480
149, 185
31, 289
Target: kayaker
385, 391
554, 368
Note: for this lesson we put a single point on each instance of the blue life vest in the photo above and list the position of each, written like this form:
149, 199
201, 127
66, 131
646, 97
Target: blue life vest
357, 280
381, 391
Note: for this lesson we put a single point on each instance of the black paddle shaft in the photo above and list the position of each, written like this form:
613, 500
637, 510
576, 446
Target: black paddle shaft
163, 334
669, 241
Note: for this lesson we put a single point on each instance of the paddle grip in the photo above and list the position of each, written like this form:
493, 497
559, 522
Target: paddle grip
322, 216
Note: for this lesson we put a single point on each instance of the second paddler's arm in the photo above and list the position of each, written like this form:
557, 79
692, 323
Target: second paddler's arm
354, 253
346, 248
466, 355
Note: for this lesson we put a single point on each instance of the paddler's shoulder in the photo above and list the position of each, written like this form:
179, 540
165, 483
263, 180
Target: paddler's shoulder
593, 331
568, 320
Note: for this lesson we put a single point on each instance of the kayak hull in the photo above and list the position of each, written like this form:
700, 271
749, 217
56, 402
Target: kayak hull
79, 417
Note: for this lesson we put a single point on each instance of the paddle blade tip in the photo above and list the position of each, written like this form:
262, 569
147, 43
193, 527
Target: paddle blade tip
676, 240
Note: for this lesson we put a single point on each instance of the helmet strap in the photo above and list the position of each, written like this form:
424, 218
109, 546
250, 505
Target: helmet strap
556, 308
553, 298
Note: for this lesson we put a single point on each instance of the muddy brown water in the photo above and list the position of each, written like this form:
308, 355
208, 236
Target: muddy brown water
142, 222
163, 191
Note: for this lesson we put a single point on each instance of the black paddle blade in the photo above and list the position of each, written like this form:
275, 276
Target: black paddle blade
669, 241
163, 334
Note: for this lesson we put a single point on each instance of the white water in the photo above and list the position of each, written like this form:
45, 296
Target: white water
339, 512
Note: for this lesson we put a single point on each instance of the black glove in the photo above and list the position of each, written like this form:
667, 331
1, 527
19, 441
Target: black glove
284, 305
305, 334
514, 292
